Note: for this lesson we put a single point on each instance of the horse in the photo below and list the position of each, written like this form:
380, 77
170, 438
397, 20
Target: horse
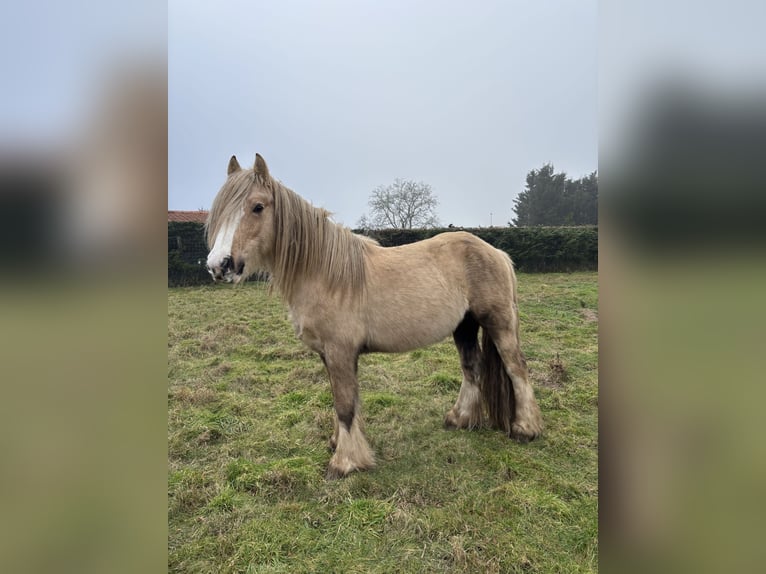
347, 295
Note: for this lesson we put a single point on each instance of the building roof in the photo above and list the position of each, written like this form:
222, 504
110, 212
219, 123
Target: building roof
199, 216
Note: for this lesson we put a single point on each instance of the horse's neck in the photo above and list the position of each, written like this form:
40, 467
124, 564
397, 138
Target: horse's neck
301, 304
324, 280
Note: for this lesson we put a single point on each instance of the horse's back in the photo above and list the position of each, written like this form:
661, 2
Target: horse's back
462, 256
418, 293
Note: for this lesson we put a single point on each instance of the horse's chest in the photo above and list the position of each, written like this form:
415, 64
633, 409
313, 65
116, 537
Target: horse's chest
305, 332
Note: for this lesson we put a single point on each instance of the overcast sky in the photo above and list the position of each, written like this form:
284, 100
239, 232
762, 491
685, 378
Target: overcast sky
341, 96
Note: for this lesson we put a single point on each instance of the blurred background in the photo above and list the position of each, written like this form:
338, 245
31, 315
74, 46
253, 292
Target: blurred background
682, 246
83, 167
83, 187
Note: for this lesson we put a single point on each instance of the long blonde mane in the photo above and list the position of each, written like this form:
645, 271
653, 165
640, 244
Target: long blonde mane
307, 244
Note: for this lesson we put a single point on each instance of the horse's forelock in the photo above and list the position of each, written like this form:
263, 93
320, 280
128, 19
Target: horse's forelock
228, 202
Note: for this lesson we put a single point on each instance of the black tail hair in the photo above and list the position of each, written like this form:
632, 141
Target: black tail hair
496, 386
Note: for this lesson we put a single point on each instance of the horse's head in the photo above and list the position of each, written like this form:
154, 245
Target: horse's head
253, 243
240, 224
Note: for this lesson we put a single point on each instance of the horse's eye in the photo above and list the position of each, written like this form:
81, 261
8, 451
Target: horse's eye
258, 208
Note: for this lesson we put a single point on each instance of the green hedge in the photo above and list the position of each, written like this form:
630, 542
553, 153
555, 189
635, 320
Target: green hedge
533, 249
187, 254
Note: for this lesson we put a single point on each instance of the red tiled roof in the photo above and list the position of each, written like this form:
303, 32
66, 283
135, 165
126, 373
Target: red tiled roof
194, 216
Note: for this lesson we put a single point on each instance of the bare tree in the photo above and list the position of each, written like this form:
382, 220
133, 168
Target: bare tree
404, 204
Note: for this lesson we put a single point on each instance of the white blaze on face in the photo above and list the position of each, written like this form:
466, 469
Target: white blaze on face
222, 249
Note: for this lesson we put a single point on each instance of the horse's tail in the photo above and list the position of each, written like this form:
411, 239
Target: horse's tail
496, 385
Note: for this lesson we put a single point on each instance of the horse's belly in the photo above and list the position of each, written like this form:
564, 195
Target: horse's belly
396, 332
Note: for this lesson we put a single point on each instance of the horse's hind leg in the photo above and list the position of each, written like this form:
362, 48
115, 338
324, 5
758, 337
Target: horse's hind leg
351, 449
527, 422
468, 410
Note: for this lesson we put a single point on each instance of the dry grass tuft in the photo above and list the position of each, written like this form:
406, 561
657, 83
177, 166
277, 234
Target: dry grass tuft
589, 315
191, 396
556, 375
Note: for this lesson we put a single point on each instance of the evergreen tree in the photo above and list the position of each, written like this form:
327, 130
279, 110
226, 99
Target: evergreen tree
551, 198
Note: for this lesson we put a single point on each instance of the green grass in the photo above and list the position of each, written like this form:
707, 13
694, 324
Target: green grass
250, 412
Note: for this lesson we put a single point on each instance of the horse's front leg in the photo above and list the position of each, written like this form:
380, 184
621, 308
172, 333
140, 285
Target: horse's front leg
351, 449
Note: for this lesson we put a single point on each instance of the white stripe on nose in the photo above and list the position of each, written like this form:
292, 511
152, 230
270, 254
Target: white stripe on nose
219, 258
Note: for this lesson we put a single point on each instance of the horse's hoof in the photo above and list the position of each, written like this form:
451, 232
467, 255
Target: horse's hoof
455, 422
341, 466
523, 432
334, 473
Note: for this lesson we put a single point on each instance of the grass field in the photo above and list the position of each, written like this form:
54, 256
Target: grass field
250, 412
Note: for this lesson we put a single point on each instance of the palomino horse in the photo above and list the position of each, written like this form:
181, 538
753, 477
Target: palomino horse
347, 295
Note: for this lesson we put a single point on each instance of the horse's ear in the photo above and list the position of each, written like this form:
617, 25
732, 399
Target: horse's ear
233, 165
260, 166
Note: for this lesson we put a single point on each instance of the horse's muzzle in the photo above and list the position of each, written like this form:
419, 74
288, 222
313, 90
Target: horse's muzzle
222, 272
237, 273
